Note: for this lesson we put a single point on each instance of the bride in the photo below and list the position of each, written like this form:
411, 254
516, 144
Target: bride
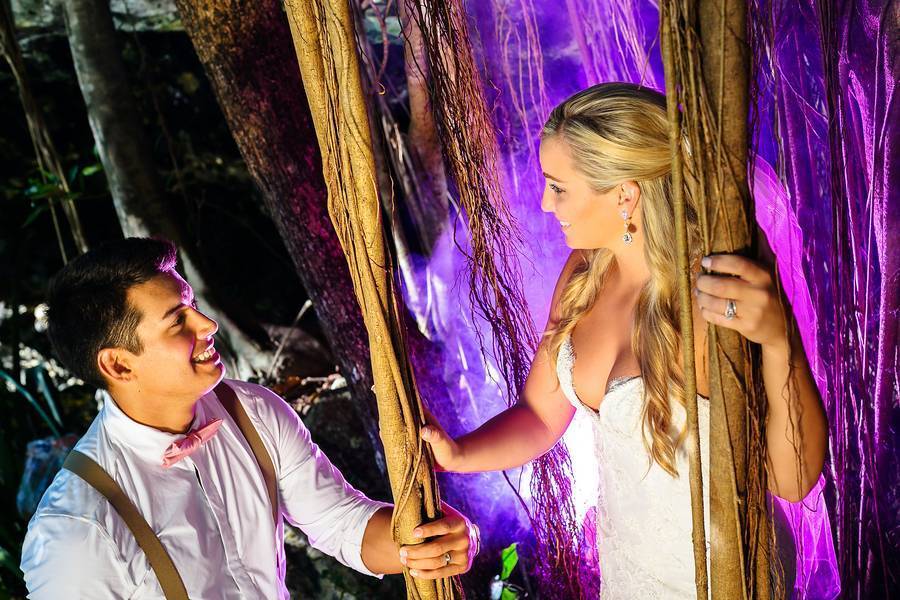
612, 346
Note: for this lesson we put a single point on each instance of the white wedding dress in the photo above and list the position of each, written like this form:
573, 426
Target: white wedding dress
643, 513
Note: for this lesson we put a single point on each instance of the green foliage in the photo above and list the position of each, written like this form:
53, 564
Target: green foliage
508, 594
509, 558
91, 169
7, 562
44, 189
502, 588
31, 412
52, 424
29, 381
379, 28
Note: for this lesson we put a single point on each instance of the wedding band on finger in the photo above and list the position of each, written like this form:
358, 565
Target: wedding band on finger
730, 309
446, 558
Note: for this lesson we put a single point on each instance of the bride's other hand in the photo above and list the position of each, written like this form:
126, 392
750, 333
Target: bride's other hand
447, 453
758, 314
797, 426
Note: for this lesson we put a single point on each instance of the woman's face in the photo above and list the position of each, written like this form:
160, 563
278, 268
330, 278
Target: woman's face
588, 219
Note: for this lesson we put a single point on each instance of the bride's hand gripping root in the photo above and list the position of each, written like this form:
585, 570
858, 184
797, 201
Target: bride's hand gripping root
743, 296
749, 288
447, 453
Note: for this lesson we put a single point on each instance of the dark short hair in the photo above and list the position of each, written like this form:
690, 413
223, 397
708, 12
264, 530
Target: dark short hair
88, 303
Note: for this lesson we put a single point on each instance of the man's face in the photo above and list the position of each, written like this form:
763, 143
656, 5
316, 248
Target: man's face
178, 360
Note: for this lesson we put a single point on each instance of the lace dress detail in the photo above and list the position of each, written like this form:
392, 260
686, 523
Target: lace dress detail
643, 513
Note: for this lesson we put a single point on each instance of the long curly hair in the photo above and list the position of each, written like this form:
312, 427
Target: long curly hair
619, 132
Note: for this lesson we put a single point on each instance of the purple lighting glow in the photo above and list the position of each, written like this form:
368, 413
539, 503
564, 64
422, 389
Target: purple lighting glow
533, 54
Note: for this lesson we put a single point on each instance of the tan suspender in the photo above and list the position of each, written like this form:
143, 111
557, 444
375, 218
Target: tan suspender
92, 473
159, 559
229, 400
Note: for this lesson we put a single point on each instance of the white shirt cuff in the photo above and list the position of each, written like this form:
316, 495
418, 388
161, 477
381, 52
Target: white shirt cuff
352, 550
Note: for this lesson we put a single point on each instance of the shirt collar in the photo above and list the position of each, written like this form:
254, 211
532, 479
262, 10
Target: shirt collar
145, 441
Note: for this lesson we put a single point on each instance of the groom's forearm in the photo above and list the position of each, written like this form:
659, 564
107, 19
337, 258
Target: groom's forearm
379, 550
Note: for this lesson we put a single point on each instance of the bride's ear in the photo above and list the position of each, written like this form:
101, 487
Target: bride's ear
629, 193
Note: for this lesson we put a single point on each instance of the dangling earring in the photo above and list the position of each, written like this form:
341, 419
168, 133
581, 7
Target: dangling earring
627, 238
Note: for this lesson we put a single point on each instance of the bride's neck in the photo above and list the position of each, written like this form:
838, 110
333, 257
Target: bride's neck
629, 269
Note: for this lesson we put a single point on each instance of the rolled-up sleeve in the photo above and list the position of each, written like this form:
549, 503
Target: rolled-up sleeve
314, 494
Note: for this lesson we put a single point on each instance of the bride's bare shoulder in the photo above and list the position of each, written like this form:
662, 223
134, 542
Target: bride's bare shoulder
575, 260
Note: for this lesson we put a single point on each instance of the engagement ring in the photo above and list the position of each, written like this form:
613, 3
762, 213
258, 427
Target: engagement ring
730, 310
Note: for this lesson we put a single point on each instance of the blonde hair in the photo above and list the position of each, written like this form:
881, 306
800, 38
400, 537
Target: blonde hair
618, 132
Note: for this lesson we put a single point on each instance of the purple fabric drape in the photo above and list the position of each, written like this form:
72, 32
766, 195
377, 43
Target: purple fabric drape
816, 576
828, 121
835, 66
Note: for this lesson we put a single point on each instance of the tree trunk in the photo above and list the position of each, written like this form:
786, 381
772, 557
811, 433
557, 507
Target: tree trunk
323, 33
47, 156
679, 201
247, 52
738, 406
709, 76
138, 195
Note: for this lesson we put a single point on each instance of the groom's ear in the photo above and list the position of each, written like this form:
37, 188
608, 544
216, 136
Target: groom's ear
115, 365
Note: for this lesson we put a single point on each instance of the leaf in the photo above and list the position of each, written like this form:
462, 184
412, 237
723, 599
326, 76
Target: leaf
42, 190
91, 169
377, 30
35, 213
45, 390
7, 561
34, 403
509, 594
73, 173
509, 558
188, 82
48, 176
394, 29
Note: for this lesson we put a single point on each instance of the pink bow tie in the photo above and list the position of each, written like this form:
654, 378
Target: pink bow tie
193, 440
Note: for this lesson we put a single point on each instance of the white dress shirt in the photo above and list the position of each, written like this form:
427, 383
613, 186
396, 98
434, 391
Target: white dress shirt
210, 510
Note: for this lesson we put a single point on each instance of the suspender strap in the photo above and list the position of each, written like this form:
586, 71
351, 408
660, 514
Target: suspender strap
159, 559
229, 400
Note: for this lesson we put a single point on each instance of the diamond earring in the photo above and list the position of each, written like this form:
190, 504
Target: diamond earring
627, 238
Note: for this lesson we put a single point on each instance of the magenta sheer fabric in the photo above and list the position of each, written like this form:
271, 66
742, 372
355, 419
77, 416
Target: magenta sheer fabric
834, 67
816, 565
826, 119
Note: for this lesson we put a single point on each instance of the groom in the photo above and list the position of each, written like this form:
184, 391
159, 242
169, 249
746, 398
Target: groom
181, 484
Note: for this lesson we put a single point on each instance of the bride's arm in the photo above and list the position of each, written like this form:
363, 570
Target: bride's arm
514, 437
522, 432
796, 420
797, 427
